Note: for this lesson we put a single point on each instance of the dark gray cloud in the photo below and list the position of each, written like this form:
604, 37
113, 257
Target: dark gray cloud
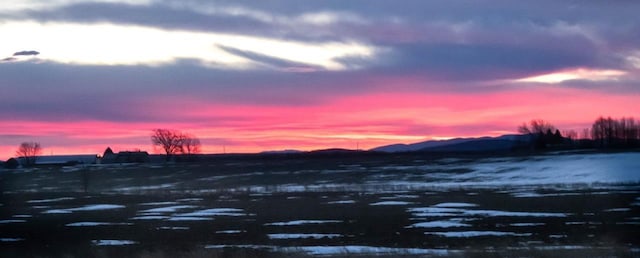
271, 61
129, 93
26, 53
462, 62
155, 16
384, 20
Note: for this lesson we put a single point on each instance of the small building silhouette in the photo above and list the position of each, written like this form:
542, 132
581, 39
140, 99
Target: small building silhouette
110, 157
62, 160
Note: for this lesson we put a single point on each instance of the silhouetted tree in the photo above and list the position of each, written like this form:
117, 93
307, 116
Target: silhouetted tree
557, 137
536, 126
586, 133
175, 142
629, 131
29, 151
170, 141
191, 145
609, 132
570, 134
541, 132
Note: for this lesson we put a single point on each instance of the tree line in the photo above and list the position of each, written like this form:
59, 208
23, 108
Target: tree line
621, 132
605, 132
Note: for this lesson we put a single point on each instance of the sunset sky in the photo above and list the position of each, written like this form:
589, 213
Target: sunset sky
79, 75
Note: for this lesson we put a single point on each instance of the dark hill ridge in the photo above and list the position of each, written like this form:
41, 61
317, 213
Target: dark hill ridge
504, 142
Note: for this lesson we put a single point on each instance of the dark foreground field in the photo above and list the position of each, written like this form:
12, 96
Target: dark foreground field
569, 205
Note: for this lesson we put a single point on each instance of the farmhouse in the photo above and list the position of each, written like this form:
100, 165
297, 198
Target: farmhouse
110, 157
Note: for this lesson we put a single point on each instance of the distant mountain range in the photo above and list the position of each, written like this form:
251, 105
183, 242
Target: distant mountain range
288, 151
481, 144
501, 143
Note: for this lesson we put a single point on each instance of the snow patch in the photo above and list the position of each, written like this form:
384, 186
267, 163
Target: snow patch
51, 200
342, 250
7, 221
56, 211
93, 224
363, 250
466, 234
342, 202
174, 228
91, 207
439, 212
189, 218
10, 239
230, 231
526, 224
494, 213
385, 203
562, 247
97, 207
143, 188
167, 209
150, 217
241, 246
617, 210
439, 224
214, 212
538, 195
455, 205
113, 242
157, 203
301, 222
400, 196
296, 236
434, 212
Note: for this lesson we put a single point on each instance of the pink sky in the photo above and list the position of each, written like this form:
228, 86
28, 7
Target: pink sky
365, 121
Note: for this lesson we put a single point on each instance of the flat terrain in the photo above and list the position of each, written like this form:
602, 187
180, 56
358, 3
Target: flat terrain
554, 205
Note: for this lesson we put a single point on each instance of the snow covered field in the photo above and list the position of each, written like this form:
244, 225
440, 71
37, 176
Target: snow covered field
577, 203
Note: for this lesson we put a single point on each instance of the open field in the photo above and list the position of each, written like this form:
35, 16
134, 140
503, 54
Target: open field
561, 205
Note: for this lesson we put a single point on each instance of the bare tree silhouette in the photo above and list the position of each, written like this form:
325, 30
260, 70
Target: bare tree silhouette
191, 144
610, 132
170, 141
174, 142
541, 132
29, 151
570, 134
536, 126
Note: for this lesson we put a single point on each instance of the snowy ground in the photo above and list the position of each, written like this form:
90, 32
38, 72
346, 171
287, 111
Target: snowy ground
577, 203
